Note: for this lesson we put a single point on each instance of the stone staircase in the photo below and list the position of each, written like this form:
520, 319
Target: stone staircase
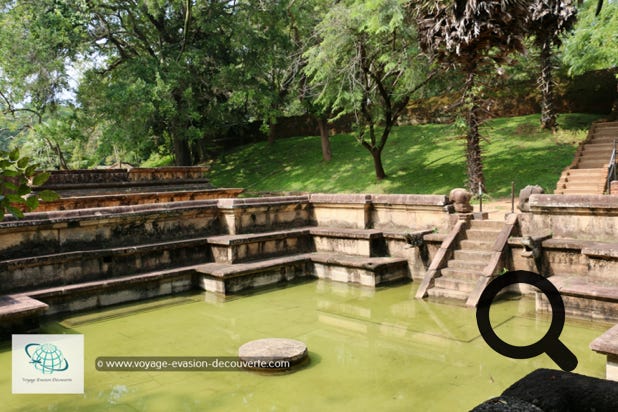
588, 172
470, 256
462, 272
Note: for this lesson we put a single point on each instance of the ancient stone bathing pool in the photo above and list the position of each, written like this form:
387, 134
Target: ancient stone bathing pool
369, 350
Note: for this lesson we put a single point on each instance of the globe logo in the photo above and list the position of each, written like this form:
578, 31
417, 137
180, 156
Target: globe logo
46, 358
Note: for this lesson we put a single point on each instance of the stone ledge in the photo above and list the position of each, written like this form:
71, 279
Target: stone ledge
17, 306
360, 262
582, 287
405, 235
602, 250
603, 203
31, 261
77, 201
113, 283
114, 212
435, 237
123, 186
260, 201
410, 200
566, 243
607, 343
228, 270
340, 198
345, 233
231, 240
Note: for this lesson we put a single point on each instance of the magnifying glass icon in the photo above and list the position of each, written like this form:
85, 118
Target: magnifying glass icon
550, 343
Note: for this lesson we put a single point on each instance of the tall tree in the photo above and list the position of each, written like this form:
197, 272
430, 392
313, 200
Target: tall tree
166, 59
37, 39
367, 63
594, 44
472, 36
548, 20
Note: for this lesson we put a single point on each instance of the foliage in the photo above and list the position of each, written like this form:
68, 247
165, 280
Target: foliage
594, 43
17, 176
269, 58
421, 159
367, 63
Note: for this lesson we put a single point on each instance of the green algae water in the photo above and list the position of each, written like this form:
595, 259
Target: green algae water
378, 350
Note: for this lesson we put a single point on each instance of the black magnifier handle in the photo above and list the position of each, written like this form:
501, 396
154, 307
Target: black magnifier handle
561, 355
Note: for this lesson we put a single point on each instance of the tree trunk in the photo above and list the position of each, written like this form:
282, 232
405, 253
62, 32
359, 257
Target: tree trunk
324, 138
182, 153
548, 114
474, 161
377, 163
272, 126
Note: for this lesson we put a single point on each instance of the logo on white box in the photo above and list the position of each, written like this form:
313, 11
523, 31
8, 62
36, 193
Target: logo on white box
48, 363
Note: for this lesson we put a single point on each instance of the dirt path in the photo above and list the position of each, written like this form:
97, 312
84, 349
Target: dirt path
497, 208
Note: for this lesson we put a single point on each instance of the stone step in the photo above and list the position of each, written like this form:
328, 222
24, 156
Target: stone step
92, 265
460, 285
19, 314
230, 278
599, 147
366, 271
466, 264
597, 164
581, 183
587, 172
463, 274
482, 234
496, 225
582, 186
472, 255
247, 247
604, 136
582, 192
584, 298
586, 177
596, 157
122, 289
605, 132
361, 242
447, 294
476, 245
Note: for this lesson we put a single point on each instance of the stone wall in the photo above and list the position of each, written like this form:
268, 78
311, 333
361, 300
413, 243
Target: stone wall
65, 247
574, 235
89, 229
390, 212
584, 217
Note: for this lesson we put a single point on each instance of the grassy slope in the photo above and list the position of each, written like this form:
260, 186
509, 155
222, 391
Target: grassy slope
417, 159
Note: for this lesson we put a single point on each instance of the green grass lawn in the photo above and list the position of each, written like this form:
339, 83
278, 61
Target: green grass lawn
425, 159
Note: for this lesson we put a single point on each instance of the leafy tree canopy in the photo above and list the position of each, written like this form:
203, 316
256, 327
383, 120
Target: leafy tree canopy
594, 43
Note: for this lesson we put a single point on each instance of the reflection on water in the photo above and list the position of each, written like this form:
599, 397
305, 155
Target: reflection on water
370, 350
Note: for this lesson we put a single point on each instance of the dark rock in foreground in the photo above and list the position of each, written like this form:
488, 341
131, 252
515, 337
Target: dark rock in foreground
552, 390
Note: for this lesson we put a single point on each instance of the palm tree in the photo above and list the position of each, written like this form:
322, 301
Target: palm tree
472, 35
548, 20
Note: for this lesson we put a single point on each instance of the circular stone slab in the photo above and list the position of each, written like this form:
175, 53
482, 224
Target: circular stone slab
267, 354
